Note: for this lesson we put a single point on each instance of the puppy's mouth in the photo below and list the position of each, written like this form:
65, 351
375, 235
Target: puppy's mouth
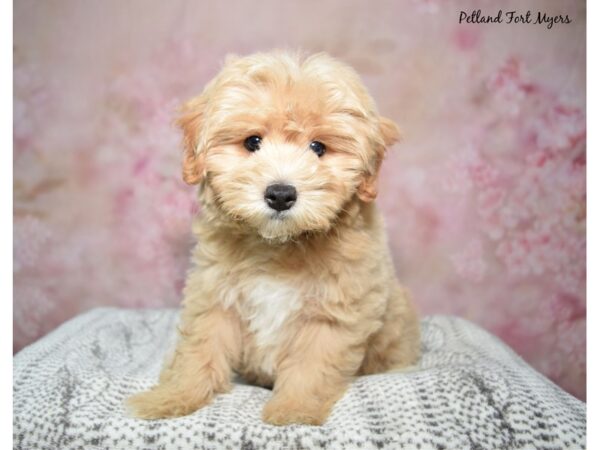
280, 215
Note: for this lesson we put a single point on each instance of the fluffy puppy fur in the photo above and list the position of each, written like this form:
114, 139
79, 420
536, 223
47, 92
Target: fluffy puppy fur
302, 299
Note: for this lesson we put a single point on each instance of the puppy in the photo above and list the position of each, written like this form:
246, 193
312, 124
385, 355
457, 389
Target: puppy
292, 284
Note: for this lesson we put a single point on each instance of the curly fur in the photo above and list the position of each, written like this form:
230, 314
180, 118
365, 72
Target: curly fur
303, 300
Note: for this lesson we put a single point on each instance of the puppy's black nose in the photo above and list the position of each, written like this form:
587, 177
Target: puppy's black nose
280, 196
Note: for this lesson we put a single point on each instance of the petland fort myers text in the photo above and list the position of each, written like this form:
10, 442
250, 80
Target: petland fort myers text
514, 17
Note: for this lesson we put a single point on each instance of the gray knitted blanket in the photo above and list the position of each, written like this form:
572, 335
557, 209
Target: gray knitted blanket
470, 391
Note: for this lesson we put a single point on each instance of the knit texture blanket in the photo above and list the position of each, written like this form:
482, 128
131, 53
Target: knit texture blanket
469, 391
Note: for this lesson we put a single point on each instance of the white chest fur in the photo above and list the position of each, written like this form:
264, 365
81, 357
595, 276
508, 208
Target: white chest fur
267, 304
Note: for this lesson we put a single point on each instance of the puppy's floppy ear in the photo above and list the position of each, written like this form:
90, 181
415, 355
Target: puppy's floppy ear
389, 131
389, 134
190, 122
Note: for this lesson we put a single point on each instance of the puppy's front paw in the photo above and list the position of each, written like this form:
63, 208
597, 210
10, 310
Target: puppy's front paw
286, 411
162, 402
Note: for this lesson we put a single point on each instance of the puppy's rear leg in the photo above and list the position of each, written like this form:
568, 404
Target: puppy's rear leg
201, 367
396, 346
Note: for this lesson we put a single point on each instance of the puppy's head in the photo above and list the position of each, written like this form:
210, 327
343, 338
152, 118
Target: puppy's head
282, 144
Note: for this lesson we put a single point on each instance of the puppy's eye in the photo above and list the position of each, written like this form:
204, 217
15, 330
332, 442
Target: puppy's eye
252, 143
318, 148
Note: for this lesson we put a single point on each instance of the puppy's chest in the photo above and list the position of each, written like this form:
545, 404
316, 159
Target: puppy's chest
265, 305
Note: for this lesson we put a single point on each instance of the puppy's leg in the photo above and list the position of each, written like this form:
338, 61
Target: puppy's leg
396, 346
313, 374
201, 367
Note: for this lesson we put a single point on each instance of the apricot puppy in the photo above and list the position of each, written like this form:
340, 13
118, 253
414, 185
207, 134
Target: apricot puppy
292, 284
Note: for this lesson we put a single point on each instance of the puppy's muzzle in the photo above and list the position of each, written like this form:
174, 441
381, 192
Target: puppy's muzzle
280, 196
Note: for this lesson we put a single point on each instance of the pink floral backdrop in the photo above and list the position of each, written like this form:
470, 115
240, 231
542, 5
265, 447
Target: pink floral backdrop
484, 198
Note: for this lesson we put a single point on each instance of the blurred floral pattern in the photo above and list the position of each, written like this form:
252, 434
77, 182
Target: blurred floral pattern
484, 198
